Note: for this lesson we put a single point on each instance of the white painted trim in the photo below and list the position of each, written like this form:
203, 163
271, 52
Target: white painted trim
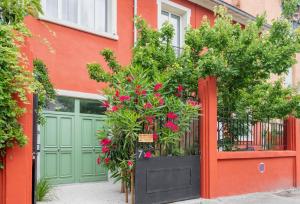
77, 94
183, 12
112, 20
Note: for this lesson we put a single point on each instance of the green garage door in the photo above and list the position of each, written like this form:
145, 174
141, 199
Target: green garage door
69, 146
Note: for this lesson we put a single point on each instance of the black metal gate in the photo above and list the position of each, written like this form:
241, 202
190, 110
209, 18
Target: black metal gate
166, 179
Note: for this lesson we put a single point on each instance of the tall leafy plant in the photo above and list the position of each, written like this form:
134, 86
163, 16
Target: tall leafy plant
141, 96
15, 80
241, 58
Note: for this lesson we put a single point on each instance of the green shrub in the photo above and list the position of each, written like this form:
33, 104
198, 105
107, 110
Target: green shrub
43, 189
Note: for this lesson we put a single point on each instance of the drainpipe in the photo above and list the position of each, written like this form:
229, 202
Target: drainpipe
135, 14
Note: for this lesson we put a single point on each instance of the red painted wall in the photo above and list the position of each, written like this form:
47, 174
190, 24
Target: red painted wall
238, 176
16, 178
66, 51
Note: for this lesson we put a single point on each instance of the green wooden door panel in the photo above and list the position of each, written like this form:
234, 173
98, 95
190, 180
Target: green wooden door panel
89, 150
57, 149
69, 148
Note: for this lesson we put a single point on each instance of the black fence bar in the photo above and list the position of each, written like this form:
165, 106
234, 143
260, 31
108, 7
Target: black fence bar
187, 144
245, 134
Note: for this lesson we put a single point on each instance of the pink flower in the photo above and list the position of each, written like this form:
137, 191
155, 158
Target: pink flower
155, 137
150, 119
192, 103
172, 126
105, 149
105, 142
117, 93
161, 101
157, 86
147, 155
130, 163
179, 88
114, 108
124, 98
98, 160
148, 105
172, 115
157, 95
107, 160
144, 92
178, 94
106, 104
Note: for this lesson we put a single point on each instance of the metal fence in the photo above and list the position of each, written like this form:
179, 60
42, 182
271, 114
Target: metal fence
187, 144
235, 134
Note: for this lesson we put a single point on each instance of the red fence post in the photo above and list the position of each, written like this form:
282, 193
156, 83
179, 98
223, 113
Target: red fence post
293, 143
208, 137
16, 181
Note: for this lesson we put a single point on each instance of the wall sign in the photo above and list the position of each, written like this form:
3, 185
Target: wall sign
146, 138
261, 167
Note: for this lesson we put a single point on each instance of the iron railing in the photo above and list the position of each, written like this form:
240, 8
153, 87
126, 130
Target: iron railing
236, 134
187, 144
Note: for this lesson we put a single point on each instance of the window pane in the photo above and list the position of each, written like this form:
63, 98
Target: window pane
87, 13
62, 104
91, 107
100, 15
175, 21
52, 8
70, 10
164, 17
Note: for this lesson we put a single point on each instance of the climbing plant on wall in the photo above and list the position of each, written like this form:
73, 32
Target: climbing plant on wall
138, 97
15, 81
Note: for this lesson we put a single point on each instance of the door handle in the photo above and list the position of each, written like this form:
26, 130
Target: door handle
58, 149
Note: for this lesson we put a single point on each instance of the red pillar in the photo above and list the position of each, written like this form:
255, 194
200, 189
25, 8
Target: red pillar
16, 179
208, 137
293, 143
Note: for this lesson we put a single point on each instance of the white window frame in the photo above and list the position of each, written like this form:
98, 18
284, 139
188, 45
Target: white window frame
177, 9
111, 21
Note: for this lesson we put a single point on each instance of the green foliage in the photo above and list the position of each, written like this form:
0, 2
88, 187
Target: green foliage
15, 81
13, 11
44, 87
239, 58
269, 100
43, 188
289, 7
139, 95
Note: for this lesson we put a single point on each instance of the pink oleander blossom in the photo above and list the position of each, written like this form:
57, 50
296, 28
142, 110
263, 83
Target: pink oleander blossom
157, 86
105, 142
192, 103
155, 137
179, 88
105, 149
150, 119
130, 163
172, 115
161, 101
117, 93
172, 126
148, 155
114, 108
107, 160
124, 98
106, 104
98, 160
148, 105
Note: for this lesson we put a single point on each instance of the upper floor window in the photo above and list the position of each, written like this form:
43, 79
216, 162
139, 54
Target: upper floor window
178, 16
95, 16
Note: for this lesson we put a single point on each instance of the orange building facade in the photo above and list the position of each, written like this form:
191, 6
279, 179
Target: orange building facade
67, 43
